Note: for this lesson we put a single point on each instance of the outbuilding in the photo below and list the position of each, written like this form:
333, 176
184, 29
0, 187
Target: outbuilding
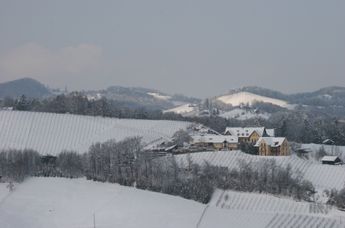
331, 160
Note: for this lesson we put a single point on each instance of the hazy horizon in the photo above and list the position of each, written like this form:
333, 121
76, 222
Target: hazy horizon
195, 48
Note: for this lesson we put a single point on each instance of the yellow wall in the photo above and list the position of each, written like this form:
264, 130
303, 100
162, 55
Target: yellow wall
254, 137
266, 150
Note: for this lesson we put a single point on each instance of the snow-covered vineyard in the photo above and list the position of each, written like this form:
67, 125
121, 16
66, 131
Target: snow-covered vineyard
60, 203
50, 133
245, 201
322, 176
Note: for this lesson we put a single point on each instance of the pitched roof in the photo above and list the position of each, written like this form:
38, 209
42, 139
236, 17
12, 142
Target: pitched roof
244, 131
270, 132
214, 139
271, 141
329, 158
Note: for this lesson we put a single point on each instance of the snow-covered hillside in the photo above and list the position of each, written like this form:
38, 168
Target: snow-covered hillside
60, 203
239, 98
242, 114
185, 110
322, 176
51, 133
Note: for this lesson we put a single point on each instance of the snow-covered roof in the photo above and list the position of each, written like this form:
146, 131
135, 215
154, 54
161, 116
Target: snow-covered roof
329, 158
271, 141
214, 139
270, 132
244, 131
330, 141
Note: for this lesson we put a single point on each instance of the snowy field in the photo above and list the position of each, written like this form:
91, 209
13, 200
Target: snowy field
50, 133
63, 203
329, 149
322, 176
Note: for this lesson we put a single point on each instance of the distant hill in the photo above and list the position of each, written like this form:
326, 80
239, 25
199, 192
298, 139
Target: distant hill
25, 86
142, 97
328, 96
239, 98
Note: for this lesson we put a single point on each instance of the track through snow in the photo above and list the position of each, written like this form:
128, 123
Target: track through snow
51, 133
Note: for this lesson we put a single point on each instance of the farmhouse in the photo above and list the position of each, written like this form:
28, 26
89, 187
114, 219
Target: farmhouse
272, 146
249, 134
331, 160
216, 142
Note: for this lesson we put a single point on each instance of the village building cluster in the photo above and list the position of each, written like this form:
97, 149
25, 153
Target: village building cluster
262, 139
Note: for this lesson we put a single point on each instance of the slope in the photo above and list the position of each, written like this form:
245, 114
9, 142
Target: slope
50, 133
322, 176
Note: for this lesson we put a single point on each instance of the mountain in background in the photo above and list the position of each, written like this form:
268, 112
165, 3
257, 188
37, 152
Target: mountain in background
329, 99
328, 96
25, 86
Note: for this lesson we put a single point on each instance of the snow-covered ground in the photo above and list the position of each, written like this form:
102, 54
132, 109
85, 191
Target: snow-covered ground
50, 133
3, 191
246, 201
242, 114
322, 176
237, 99
257, 219
59, 202
329, 149
63, 203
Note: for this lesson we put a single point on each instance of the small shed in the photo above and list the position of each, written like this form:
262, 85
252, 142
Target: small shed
331, 160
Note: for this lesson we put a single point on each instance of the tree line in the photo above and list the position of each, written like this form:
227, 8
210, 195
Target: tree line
299, 125
126, 163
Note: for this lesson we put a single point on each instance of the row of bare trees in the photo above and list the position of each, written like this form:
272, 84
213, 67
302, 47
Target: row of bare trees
125, 162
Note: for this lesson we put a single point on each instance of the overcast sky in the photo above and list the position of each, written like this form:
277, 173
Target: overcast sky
199, 48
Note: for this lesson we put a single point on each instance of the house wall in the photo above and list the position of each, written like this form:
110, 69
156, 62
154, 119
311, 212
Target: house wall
266, 150
218, 146
254, 137
232, 146
284, 149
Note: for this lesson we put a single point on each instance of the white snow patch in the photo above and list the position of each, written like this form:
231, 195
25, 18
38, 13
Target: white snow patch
184, 109
159, 96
